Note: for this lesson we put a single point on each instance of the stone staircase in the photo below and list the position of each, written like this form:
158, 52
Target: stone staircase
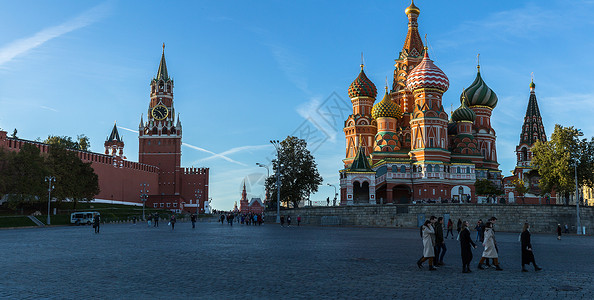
36, 221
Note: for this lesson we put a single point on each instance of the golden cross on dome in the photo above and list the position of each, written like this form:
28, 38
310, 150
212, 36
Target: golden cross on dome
478, 64
163, 47
362, 61
532, 76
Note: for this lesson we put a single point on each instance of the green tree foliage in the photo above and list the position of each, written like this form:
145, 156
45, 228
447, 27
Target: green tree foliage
81, 142
23, 177
299, 172
486, 187
14, 134
520, 187
554, 160
75, 180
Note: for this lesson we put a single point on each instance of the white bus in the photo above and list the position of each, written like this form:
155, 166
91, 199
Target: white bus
83, 217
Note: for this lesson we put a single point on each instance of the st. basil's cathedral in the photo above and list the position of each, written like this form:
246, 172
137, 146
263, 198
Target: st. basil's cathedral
404, 148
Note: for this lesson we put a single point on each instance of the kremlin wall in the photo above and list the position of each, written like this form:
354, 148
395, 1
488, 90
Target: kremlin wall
170, 186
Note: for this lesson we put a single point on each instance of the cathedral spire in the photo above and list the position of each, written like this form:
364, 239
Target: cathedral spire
532, 130
412, 50
162, 72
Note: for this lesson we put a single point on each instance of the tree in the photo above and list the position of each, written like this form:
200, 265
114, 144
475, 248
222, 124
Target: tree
486, 187
81, 142
24, 181
14, 134
75, 180
520, 187
556, 160
298, 172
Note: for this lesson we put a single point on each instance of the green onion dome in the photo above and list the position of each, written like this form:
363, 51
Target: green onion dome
386, 108
479, 94
362, 87
463, 113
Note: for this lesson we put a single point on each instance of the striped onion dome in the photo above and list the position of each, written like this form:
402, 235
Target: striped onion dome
463, 113
478, 93
386, 108
362, 87
427, 75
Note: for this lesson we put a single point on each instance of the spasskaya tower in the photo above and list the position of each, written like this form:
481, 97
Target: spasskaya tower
160, 140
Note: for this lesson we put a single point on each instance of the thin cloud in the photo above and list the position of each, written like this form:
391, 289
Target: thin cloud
214, 154
128, 129
49, 108
291, 64
238, 149
309, 111
24, 45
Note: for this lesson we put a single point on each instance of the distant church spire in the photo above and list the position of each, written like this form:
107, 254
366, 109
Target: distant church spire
532, 130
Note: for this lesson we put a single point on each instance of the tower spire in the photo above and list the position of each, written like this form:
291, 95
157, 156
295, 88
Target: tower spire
532, 129
478, 62
162, 72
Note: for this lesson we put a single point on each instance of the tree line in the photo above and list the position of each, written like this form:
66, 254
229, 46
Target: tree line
22, 174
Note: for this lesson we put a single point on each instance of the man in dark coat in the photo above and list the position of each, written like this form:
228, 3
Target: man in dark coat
465, 247
440, 247
527, 254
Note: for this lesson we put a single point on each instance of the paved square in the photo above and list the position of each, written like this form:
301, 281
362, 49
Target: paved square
270, 262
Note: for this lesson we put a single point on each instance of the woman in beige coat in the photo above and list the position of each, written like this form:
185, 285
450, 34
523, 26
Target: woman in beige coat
490, 248
427, 231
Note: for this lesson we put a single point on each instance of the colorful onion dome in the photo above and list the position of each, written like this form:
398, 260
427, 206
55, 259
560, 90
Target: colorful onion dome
532, 85
412, 9
386, 108
452, 128
427, 75
478, 93
463, 113
362, 87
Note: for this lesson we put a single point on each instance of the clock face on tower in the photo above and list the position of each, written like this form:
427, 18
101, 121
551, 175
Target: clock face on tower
160, 112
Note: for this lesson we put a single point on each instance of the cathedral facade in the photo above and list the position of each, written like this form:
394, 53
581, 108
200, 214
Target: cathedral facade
405, 148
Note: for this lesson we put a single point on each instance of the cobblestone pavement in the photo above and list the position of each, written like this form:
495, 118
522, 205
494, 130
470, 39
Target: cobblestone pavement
269, 262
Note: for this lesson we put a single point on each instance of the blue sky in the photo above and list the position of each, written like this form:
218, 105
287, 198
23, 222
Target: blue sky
247, 72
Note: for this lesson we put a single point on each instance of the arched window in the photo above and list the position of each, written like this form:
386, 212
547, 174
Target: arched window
402, 169
458, 170
524, 154
429, 168
468, 170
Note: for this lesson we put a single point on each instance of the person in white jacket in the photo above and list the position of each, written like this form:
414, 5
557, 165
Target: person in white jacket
427, 231
490, 248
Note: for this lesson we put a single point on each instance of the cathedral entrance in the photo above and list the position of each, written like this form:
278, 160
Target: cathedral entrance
401, 194
361, 192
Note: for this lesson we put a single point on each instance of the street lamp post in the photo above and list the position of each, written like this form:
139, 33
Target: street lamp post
335, 194
267, 175
277, 146
577, 200
49, 180
144, 196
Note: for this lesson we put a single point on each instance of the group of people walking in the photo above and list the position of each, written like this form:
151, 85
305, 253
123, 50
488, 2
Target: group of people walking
434, 246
